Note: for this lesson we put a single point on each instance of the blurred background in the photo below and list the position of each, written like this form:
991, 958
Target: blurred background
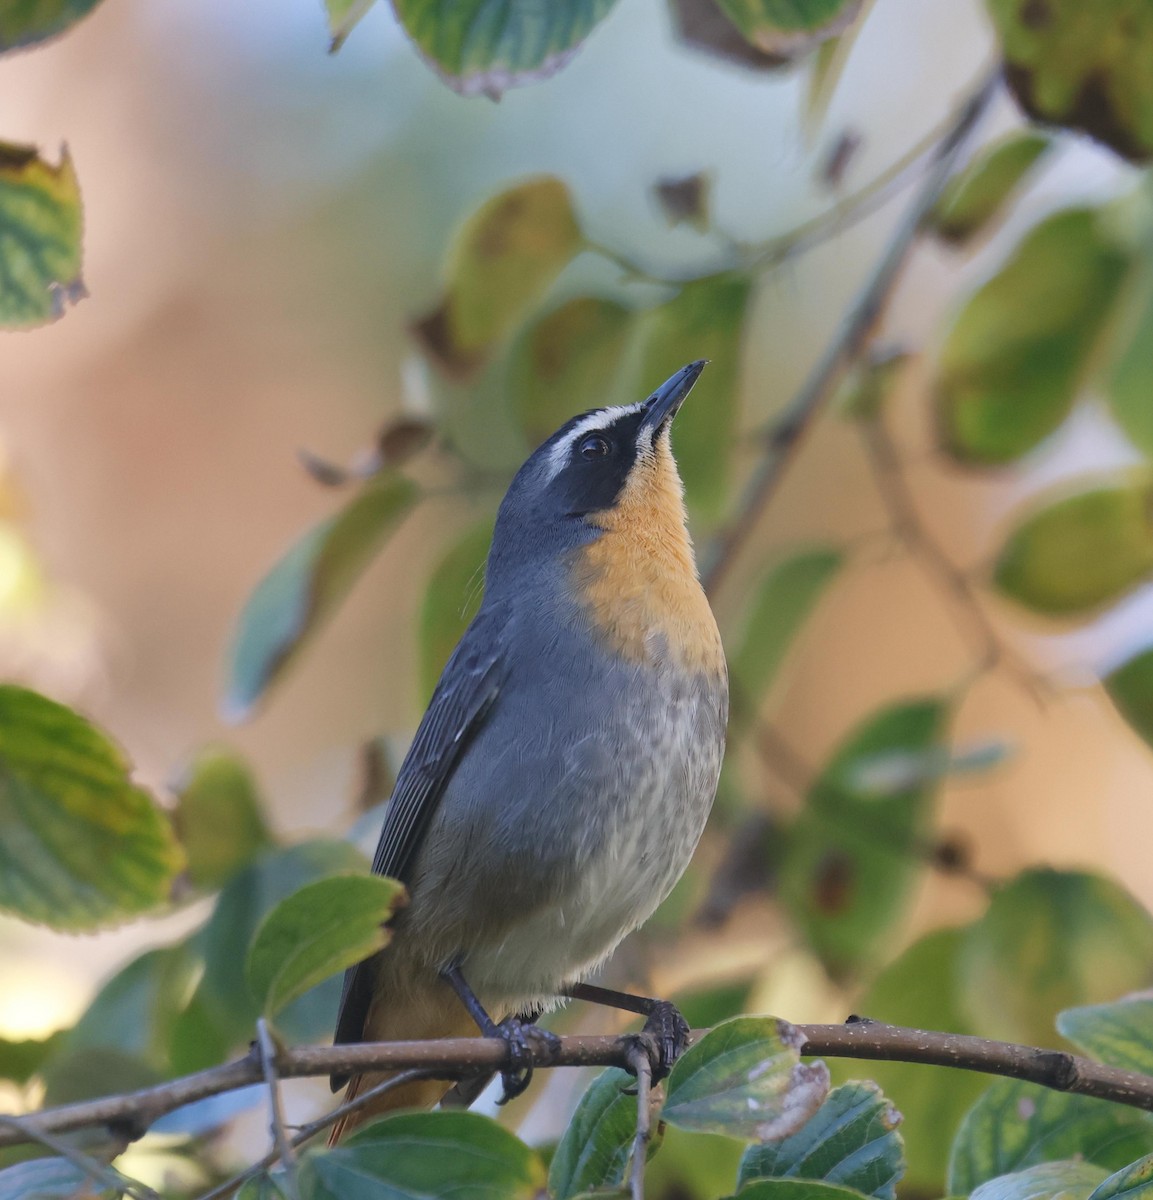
263, 221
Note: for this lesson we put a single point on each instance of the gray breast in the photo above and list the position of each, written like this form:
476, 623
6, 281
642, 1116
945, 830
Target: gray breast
570, 817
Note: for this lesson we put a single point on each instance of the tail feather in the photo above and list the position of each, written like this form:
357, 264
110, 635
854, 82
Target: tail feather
433, 1012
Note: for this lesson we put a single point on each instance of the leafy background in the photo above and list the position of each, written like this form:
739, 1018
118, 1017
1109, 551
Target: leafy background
263, 223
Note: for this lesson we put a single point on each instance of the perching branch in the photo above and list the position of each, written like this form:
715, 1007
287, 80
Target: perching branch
131, 1115
794, 422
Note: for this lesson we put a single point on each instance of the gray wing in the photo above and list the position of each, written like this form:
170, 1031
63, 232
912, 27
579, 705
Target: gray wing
462, 700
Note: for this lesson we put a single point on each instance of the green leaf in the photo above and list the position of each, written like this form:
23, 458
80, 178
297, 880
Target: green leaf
218, 817
1130, 687
1050, 940
343, 16
40, 255
977, 197
795, 1189
26, 22
262, 1187
704, 320
484, 47
1078, 553
1046, 1181
134, 1012
851, 1140
21, 1060
853, 854
241, 907
503, 260
1128, 379
1085, 66
594, 1150
789, 29
1134, 1182
786, 596
80, 846
51, 1179
422, 1156
322, 929
1120, 1033
1017, 1124
745, 1079
919, 990
1021, 347
454, 593
293, 600
565, 362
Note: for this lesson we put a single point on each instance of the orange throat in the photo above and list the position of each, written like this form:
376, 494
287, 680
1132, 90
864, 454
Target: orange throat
638, 580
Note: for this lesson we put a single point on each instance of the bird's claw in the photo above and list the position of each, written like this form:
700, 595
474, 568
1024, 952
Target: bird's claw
663, 1038
527, 1044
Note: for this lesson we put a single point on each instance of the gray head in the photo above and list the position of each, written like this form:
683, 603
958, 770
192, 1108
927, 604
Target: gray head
568, 487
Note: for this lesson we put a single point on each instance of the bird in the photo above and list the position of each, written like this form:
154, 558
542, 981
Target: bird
562, 775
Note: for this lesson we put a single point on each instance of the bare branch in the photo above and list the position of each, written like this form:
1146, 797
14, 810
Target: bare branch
958, 589
453, 1058
856, 330
642, 1067
267, 1048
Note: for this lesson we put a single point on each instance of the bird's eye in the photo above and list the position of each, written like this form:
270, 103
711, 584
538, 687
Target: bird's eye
595, 446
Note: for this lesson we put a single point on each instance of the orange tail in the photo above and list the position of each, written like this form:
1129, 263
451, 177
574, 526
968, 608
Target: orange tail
432, 1012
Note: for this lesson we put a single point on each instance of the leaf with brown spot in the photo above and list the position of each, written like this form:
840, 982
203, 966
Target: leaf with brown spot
1083, 65
502, 261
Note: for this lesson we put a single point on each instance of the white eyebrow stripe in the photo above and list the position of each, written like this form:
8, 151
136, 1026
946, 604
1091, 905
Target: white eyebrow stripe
600, 419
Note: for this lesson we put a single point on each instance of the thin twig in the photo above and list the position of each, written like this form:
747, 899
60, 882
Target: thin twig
93, 1168
452, 1058
280, 1141
641, 1066
307, 1132
908, 525
788, 430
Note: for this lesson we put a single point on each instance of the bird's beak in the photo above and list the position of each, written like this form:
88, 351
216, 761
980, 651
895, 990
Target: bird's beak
663, 404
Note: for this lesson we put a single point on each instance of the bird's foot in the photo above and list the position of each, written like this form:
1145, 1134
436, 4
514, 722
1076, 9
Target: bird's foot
663, 1038
527, 1045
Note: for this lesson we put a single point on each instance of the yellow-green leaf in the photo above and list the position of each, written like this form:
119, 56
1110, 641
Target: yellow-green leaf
218, 817
343, 15
704, 320
80, 845
565, 362
1129, 377
1048, 941
784, 598
975, 198
324, 928
26, 22
502, 261
293, 600
1083, 551
484, 47
1130, 687
790, 28
1022, 346
40, 233
1083, 65
1120, 1033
